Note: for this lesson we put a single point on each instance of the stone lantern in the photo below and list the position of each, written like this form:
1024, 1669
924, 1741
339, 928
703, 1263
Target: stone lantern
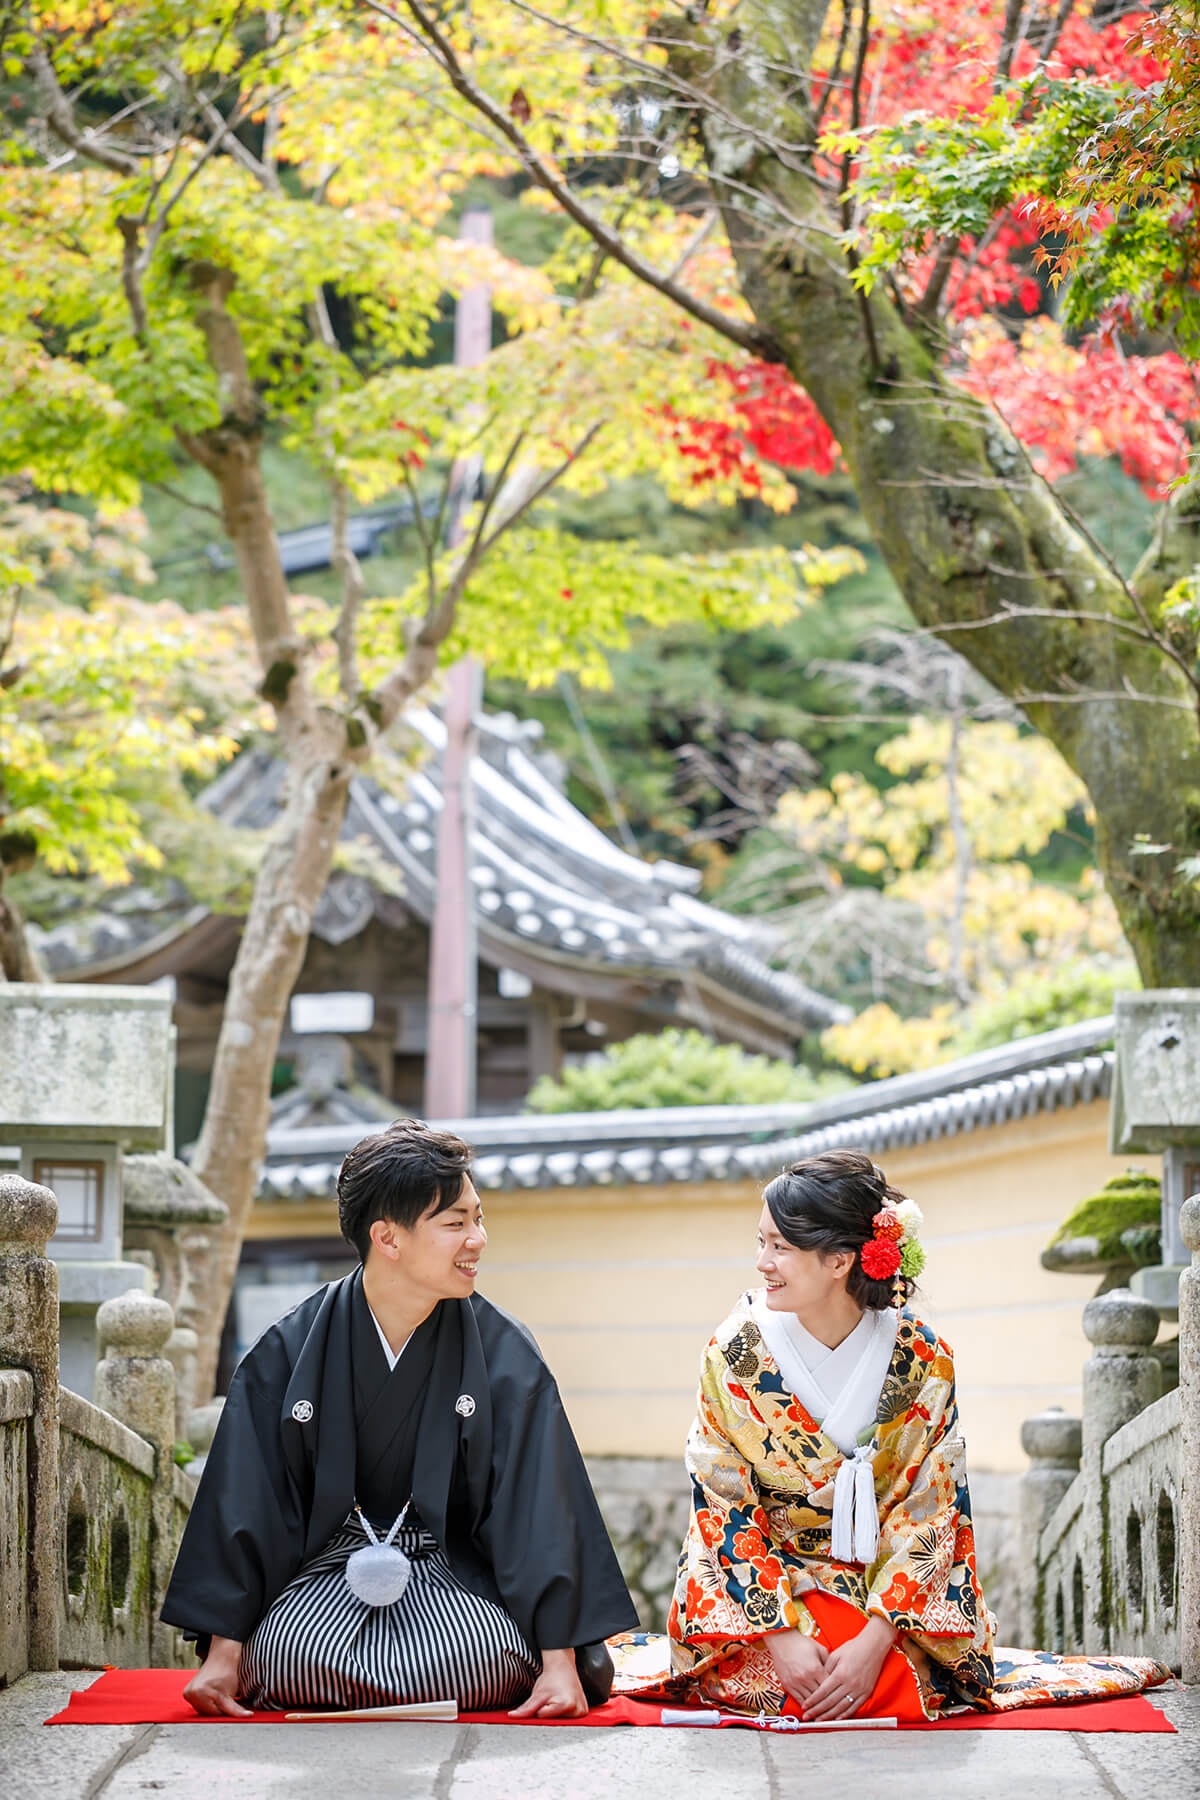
1156, 1107
85, 1076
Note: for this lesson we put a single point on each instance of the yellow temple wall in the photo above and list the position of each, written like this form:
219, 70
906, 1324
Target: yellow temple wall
623, 1286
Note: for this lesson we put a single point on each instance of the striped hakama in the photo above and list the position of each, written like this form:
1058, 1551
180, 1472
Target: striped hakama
320, 1646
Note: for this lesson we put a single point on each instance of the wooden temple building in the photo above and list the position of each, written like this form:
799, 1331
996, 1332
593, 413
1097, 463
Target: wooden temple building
579, 944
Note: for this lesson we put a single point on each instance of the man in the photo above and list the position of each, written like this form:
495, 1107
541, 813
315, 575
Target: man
398, 1391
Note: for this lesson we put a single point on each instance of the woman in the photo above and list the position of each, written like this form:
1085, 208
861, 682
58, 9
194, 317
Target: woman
829, 1566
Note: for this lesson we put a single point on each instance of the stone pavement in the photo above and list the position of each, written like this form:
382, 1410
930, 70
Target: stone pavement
499, 1762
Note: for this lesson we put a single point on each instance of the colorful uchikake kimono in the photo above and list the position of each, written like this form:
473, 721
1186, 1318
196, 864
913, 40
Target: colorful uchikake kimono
811, 1525
759, 1555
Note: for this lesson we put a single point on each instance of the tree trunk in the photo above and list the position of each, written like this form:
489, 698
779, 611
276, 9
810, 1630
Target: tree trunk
17, 959
269, 959
976, 542
320, 766
289, 884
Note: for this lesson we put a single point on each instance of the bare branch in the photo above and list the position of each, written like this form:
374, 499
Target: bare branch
428, 540
220, 138
597, 764
835, 74
1010, 38
507, 464
695, 243
927, 306
131, 278
540, 488
266, 175
1049, 43
344, 561
10, 676
1015, 30
271, 122
592, 278
864, 305
173, 493
747, 336
61, 119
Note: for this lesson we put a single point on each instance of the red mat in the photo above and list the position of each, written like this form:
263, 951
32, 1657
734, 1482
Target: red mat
155, 1697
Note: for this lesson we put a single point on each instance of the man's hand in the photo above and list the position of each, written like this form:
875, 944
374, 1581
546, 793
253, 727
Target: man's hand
213, 1689
556, 1692
851, 1672
799, 1662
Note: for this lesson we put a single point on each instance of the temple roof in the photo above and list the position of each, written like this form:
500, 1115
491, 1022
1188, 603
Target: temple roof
1053, 1071
555, 898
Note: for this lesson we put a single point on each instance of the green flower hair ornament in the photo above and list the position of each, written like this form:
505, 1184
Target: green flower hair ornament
912, 1260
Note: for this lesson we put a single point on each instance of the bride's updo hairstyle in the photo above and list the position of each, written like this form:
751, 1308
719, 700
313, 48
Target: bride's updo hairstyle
828, 1203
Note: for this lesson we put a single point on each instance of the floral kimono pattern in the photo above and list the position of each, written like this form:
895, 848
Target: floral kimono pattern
758, 1541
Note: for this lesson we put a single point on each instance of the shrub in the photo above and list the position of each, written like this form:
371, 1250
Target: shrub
675, 1068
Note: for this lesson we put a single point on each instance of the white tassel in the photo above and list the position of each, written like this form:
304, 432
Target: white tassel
378, 1573
855, 1535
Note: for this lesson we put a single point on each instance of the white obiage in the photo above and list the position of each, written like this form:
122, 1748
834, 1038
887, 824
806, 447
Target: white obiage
840, 1389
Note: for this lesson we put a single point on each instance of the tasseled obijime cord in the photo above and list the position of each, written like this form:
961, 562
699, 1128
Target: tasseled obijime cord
368, 1528
855, 1514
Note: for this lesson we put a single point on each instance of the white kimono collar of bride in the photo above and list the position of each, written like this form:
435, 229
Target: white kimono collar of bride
855, 1513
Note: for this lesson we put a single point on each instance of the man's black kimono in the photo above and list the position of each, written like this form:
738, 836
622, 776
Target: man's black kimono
474, 1429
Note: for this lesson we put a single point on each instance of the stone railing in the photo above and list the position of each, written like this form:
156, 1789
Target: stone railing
1111, 1503
173, 1226
91, 1503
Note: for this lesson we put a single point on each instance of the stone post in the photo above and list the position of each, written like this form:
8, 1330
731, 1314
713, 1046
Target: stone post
181, 1352
29, 1340
201, 1430
136, 1383
1053, 1442
1120, 1379
1188, 1524
172, 1224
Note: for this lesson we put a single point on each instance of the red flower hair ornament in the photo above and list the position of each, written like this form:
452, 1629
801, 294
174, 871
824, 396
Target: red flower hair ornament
892, 1252
880, 1258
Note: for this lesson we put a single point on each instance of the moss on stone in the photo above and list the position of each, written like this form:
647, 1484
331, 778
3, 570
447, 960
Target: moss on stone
1126, 1202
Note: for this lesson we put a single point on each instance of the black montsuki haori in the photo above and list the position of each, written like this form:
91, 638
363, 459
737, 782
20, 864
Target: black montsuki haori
469, 1423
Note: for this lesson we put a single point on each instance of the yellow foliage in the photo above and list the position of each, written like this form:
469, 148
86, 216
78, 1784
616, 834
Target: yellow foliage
1013, 792
879, 1042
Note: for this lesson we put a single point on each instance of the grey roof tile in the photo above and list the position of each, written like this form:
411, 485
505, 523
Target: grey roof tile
559, 1162
548, 883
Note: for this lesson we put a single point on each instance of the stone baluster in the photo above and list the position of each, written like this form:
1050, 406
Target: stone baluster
136, 1382
1188, 1525
1053, 1442
1120, 1379
202, 1429
183, 1348
29, 1340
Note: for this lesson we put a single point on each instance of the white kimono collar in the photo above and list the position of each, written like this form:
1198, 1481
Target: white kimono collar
840, 1414
855, 1526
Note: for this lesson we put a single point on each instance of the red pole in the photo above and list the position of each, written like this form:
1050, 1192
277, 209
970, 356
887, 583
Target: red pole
450, 1047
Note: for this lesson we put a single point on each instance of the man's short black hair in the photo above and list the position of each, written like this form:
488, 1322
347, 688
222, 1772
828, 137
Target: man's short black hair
398, 1174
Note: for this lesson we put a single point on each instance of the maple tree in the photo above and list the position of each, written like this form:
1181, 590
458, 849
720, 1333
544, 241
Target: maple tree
111, 703
225, 222
886, 197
